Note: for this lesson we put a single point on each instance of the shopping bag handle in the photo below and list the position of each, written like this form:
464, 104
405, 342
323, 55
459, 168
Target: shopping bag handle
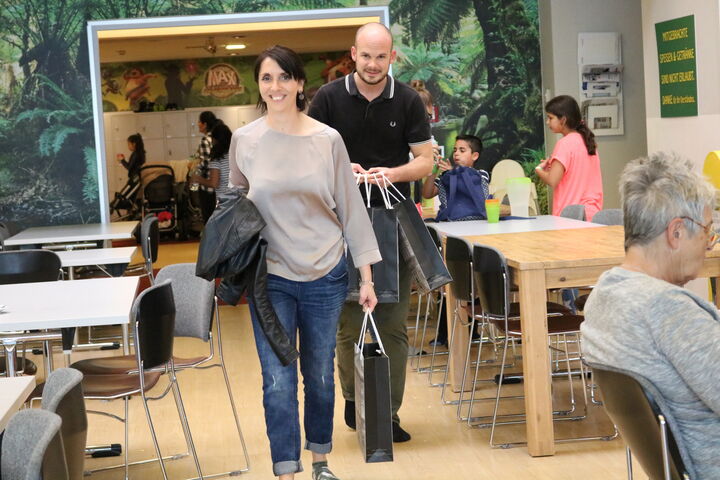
369, 317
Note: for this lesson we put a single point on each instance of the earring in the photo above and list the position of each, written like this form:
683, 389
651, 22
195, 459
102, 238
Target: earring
301, 96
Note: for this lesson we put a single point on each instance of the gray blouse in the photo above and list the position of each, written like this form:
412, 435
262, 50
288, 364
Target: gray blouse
305, 190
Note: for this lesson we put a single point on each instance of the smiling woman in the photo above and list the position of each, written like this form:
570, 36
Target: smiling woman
297, 172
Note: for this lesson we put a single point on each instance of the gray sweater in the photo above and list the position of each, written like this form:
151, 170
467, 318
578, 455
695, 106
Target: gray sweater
304, 188
670, 336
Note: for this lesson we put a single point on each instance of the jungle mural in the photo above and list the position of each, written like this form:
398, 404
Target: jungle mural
203, 82
479, 58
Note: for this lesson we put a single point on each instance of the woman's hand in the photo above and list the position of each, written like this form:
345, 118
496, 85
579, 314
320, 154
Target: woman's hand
368, 300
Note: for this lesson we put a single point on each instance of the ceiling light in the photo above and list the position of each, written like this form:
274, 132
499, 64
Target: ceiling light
235, 46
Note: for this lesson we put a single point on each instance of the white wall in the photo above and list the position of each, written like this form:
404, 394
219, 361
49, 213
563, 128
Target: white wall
560, 23
692, 137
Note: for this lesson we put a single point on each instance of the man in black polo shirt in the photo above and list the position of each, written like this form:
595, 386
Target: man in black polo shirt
381, 121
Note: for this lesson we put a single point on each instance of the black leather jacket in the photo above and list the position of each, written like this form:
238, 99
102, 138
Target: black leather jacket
232, 249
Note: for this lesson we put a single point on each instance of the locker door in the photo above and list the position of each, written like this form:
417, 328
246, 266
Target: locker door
177, 148
121, 125
149, 125
175, 124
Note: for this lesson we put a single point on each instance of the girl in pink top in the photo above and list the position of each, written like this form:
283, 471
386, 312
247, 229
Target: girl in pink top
573, 169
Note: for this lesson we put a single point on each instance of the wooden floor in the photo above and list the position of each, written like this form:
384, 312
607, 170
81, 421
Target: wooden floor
441, 447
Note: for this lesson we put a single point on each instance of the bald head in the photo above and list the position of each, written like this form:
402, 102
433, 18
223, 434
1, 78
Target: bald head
374, 32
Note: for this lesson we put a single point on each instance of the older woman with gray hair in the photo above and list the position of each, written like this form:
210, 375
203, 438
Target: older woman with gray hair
640, 318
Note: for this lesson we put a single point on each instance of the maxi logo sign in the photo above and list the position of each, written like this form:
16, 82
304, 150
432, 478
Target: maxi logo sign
222, 81
678, 68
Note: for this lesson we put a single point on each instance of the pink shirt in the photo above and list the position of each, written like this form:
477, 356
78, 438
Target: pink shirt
582, 182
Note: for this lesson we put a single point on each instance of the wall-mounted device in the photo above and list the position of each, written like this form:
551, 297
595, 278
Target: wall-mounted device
601, 93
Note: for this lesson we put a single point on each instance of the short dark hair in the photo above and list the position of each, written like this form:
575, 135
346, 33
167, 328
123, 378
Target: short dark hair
474, 142
290, 62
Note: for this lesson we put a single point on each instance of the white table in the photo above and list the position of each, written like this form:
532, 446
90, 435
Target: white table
13, 392
89, 232
536, 224
80, 303
95, 256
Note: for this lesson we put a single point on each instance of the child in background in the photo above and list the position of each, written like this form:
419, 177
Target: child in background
573, 169
137, 156
466, 152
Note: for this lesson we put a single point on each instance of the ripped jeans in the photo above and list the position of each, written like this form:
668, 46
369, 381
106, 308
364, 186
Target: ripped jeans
311, 309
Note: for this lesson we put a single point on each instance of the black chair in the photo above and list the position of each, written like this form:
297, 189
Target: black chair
493, 281
149, 242
26, 266
153, 316
636, 408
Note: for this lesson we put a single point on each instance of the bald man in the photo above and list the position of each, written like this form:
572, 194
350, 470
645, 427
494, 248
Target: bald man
382, 121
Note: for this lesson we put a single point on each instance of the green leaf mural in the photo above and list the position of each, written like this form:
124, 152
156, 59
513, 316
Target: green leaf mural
479, 58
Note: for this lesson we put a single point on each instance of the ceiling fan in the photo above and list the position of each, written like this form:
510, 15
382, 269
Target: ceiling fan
209, 46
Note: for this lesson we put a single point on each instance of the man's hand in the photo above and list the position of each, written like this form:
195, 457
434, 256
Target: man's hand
379, 172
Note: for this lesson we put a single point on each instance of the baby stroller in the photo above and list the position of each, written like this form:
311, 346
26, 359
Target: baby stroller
158, 197
127, 200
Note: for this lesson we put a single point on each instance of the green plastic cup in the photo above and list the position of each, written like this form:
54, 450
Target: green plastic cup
492, 209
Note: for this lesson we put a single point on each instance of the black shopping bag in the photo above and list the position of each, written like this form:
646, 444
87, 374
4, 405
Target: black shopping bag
418, 249
386, 274
373, 406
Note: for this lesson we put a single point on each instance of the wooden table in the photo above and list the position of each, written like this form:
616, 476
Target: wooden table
89, 232
13, 392
552, 259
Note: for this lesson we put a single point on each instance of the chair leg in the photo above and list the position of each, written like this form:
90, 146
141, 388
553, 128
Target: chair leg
127, 438
235, 415
433, 355
628, 458
152, 427
424, 329
183, 420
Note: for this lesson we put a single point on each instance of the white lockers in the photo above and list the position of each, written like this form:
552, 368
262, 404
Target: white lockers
168, 136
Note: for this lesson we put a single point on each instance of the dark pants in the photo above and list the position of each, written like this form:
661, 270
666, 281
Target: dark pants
207, 204
391, 320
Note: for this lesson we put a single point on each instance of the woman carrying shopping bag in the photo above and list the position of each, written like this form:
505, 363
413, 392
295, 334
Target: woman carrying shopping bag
297, 172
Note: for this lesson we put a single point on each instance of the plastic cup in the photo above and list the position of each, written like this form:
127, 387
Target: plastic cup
492, 209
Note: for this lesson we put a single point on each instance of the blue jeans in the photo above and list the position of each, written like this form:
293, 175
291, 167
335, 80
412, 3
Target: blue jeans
311, 309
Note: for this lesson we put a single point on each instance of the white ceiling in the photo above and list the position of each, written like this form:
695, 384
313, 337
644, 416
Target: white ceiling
147, 48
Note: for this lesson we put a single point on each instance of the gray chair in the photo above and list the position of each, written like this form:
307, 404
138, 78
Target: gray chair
639, 412
63, 395
32, 447
195, 305
576, 212
609, 216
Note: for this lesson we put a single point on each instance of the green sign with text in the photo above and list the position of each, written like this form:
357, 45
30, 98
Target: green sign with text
676, 57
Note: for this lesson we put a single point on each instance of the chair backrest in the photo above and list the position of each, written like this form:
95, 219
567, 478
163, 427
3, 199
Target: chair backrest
150, 238
154, 317
194, 300
576, 212
609, 216
633, 403
503, 170
435, 235
492, 279
458, 258
32, 447
63, 395
24, 266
